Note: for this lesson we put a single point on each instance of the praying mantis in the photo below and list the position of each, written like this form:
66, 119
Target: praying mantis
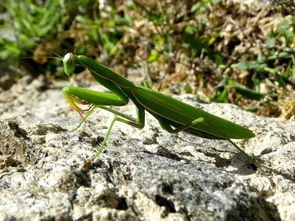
173, 116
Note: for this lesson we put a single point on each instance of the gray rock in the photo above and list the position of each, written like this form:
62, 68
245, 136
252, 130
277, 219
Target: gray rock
144, 174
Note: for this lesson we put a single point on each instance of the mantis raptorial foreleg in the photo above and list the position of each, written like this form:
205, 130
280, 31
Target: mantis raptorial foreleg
76, 95
84, 118
83, 96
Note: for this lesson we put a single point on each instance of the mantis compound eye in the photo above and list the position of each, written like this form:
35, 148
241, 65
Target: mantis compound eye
69, 63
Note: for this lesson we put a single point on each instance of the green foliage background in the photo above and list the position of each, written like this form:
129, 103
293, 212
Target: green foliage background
219, 50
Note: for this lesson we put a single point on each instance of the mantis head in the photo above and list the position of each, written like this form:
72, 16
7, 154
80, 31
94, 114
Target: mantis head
69, 63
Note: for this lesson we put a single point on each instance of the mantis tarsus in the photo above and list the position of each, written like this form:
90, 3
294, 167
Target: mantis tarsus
173, 115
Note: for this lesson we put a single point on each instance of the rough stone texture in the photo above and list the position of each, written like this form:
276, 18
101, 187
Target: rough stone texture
144, 174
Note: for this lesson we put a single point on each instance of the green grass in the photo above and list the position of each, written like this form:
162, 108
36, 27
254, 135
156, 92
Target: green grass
183, 47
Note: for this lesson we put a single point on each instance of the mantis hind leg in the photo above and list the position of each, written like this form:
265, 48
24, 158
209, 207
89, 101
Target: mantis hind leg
189, 128
166, 125
254, 163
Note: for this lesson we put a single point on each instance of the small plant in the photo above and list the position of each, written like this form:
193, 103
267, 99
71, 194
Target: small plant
36, 25
276, 60
32, 24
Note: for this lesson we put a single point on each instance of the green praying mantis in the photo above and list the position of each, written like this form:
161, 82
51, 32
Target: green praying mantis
173, 116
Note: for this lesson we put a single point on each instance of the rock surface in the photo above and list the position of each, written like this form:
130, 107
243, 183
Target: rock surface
144, 174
